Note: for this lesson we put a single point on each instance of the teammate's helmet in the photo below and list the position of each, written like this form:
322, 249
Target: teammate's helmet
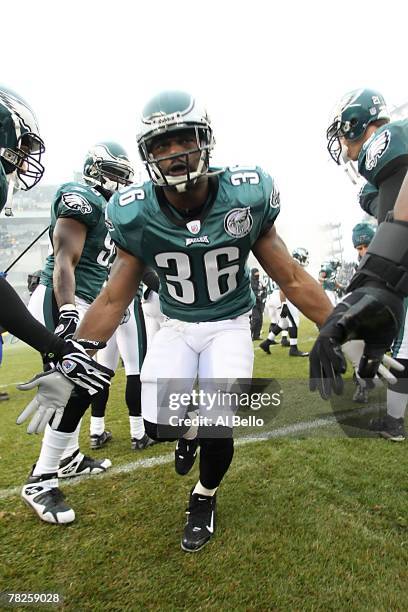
301, 255
356, 111
107, 165
173, 111
363, 233
21, 147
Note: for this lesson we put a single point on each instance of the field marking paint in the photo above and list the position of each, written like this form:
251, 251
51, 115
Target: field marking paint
150, 462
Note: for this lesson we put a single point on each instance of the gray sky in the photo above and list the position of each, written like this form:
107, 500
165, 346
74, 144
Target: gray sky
269, 73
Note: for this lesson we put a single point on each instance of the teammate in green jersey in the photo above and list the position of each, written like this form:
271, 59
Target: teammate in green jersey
195, 226
73, 276
21, 150
362, 132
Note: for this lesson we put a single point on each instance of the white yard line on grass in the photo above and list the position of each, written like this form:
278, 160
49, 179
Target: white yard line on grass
150, 462
13, 384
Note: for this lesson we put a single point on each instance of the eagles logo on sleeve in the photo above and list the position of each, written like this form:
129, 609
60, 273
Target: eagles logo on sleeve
74, 201
238, 222
376, 149
275, 197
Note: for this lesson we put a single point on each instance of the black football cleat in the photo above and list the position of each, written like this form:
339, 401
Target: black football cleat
42, 494
285, 342
294, 352
78, 464
200, 525
266, 344
185, 455
97, 441
142, 443
389, 428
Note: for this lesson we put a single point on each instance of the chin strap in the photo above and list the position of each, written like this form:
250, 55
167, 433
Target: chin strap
10, 192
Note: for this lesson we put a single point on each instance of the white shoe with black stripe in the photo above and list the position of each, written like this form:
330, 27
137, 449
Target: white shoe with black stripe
78, 464
42, 494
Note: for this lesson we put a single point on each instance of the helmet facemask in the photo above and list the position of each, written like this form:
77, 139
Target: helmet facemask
339, 129
204, 143
103, 169
24, 161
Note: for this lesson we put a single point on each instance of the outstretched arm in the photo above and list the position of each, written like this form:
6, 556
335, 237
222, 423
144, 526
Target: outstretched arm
106, 312
401, 205
298, 286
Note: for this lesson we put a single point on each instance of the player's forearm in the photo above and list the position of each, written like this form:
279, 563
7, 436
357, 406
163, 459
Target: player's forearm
102, 317
17, 320
64, 281
309, 297
401, 205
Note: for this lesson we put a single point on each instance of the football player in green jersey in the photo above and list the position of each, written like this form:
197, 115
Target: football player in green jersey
21, 149
195, 225
73, 276
362, 132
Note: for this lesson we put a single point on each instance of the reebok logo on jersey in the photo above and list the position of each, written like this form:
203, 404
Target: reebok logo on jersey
238, 222
376, 149
203, 239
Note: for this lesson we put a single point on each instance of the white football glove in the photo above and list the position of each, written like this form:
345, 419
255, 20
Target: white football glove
53, 393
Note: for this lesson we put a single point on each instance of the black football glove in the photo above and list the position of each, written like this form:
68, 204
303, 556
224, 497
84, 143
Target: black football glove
76, 365
67, 322
372, 314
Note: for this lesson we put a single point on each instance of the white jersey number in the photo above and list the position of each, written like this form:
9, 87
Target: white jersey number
220, 281
105, 256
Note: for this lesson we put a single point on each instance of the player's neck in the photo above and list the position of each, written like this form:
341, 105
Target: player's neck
191, 199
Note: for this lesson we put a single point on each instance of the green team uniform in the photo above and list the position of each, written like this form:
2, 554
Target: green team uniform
380, 153
329, 284
377, 159
201, 261
86, 205
3, 187
368, 199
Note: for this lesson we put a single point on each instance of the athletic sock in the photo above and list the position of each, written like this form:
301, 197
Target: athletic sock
97, 426
137, 429
203, 491
52, 449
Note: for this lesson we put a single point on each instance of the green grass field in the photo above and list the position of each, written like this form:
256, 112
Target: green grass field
309, 519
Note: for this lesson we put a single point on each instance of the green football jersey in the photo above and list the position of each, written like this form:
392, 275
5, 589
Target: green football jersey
86, 205
3, 187
379, 153
368, 199
201, 261
329, 284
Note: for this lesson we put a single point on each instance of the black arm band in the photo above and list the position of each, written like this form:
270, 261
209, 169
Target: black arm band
17, 320
386, 260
